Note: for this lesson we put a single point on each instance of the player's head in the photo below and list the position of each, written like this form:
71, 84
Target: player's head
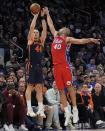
36, 34
64, 31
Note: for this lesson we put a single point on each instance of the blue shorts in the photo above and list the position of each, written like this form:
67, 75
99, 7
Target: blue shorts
35, 74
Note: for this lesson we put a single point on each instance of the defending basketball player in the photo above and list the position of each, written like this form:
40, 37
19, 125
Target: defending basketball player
35, 81
62, 72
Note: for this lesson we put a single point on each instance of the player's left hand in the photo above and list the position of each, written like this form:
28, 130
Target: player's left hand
96, 41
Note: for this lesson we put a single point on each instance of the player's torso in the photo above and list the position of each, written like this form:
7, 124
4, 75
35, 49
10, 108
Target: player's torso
35, 54
58, 50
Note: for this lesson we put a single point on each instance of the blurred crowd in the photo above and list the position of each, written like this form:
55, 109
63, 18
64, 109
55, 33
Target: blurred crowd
87, 62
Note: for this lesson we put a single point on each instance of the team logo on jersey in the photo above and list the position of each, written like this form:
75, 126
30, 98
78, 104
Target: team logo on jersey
57, 41
38, 48
68, 83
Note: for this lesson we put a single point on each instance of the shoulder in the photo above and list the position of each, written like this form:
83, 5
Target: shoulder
5, 92
68, 39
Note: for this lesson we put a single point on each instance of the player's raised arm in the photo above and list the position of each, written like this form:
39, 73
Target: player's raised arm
50, 22
82, 41
44, 26
32, 27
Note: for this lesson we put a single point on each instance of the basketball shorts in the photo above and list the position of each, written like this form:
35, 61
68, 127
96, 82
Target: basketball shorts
35, 74
63, 76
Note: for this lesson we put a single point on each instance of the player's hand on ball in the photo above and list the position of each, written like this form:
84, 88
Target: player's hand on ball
35, 15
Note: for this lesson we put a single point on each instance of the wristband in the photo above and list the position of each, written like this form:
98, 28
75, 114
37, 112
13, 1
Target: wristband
42, 17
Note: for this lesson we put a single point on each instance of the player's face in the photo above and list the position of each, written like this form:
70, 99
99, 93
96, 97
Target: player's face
36, 34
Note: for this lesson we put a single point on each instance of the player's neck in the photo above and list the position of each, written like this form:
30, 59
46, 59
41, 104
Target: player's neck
63, 35
36, 41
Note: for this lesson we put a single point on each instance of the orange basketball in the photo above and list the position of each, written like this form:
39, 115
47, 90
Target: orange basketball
35, 8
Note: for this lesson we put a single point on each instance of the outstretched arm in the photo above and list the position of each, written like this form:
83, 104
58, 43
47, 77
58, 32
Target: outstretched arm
44, 30
50, 22
32, 27
82, 41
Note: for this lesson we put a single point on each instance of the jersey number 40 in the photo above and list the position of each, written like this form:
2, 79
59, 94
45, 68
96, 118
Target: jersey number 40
57, 46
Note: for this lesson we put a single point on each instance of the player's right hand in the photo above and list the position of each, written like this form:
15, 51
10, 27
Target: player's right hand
35, 15
46, 11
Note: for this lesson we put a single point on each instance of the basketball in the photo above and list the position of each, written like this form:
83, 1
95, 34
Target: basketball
35, 8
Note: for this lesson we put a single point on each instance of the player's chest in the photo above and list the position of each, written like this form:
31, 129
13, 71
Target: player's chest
58, 46
37, 49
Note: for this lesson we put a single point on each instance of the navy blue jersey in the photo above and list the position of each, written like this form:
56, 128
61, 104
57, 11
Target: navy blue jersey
35, 54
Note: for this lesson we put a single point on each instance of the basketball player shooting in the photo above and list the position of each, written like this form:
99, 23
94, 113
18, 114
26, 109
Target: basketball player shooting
35, 81
62, 72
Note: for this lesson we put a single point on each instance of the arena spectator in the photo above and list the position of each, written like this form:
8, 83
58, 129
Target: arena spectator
21, 90
91, 66
15, 106
53, 98
99, 106
39, 121
3, 110
15, 18
12, 63
2, 83
20, 74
